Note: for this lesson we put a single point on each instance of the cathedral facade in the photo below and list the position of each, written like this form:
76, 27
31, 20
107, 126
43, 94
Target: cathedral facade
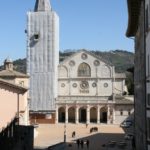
82, 88
90, 91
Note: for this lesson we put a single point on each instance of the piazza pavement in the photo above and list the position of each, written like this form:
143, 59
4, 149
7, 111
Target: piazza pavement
51, 137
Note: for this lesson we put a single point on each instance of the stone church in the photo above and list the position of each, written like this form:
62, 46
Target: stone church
90, 91
82, 88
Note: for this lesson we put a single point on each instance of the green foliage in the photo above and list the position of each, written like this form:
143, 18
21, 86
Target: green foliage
20, 65
130, 83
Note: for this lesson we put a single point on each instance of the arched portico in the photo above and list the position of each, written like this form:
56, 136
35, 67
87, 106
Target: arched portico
71, 114
85, 114
93, 115
61, 114
103, 115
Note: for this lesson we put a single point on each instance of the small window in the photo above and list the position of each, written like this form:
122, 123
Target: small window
148, 128
121, 112
146, 20
129, 112
148, 65
36, 37
148, 99
21, 83
84, 70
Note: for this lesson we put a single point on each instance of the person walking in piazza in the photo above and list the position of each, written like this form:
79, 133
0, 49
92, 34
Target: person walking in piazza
78, 143
73, 134
87, 143
82, 144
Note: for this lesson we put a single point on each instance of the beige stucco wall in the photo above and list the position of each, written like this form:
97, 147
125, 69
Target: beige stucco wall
9, 105
24, 82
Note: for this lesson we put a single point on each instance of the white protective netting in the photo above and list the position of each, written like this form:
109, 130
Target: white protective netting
42, 59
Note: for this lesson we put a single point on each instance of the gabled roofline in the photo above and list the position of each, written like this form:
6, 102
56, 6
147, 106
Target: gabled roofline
88, 52
20, 89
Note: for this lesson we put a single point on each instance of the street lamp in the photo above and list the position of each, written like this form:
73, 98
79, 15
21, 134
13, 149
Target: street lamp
65, 133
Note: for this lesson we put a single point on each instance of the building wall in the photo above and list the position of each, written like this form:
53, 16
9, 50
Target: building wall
119, 86
24, 82
125, 109
139, 82
147, 28
9, 106
42, 58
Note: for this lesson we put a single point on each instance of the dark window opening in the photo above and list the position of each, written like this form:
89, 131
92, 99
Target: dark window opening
148, 128
121, 112
36, 36
148, 99
129, 112
84, 70
146, 19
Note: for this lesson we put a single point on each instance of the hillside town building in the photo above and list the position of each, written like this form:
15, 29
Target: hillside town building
14, 95
139, 28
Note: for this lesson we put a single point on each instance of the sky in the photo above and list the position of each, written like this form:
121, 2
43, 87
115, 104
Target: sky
84, 24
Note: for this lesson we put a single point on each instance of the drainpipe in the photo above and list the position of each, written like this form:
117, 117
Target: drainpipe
18, 107
144, 29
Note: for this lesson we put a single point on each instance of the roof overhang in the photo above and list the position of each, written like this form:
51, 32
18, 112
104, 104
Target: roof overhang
19, 89
133, 16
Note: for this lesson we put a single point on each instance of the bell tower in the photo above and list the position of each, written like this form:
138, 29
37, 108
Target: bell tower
42, 57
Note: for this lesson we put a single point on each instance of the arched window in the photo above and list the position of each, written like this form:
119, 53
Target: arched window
84, 70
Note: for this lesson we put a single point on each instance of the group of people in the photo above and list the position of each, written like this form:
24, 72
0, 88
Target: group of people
93, 129
81, 143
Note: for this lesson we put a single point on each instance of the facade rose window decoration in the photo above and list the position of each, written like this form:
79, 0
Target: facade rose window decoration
94, 84
96, 63
84, 85
72, 63
84, 56
105, 85
63, 85
74, 85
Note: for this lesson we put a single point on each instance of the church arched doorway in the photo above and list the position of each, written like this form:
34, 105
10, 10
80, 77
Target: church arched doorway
61, 114
93, 115
103, 115
71, 114
82, 115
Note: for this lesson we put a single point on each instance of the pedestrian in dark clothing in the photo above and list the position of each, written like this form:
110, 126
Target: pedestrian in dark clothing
82, 143
87, 143
78, 143
133, 143
73, 134
86, 125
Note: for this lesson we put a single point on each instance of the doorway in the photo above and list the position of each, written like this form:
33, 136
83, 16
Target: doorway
82, 115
